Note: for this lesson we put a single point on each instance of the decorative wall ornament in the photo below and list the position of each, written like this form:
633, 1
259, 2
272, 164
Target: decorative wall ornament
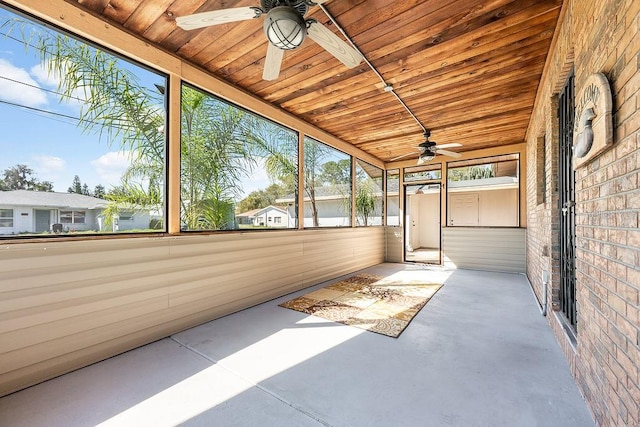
593, 129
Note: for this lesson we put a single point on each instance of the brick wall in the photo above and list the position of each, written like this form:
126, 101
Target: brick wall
595, 37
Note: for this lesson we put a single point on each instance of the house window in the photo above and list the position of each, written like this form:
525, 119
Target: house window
125, 216
368, 194
270, 219
232, 162
484, 192
327, 186
541, 170
277, 220
95, 138
393, 198
6, 217
72, 217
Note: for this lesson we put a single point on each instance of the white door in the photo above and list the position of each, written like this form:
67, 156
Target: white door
413, 221
429, 220
464, 209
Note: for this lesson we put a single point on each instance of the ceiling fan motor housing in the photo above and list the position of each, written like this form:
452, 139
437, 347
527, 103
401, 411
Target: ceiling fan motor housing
427, 146
302, 6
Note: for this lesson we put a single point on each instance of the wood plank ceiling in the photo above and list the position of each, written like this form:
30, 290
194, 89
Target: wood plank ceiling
467, 69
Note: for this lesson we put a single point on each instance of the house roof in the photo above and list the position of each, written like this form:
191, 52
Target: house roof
468, 72
271, 208
249, 214
328, 192
255, 212
50, 200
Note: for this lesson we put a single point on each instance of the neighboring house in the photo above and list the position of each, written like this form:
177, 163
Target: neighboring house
273, 216
24, 211
246, 218
333, 205
270, 216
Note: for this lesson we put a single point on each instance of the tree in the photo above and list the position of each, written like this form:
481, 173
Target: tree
20, 177
117, 108
215, 155
262, 198
76, 186
279, 147
365, 201
336, 173
219, 141
314, 153
466, 173
99, 191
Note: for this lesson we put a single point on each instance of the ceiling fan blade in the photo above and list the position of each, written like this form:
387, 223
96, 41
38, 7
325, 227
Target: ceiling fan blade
216, 17
403, 156
272, 62
334, 44
449, 145
448, 153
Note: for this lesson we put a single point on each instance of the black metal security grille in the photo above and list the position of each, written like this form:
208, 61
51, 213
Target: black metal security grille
566, 201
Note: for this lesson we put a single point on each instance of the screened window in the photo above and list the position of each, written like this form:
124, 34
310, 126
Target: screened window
327, 186
423, 173
368, 194
85, 127
232, 163
484, 192
393, 197
6, 217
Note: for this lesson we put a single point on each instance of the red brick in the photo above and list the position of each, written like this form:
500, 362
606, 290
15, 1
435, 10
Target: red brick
604, 36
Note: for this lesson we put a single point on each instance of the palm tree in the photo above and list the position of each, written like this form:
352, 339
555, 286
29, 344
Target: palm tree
215, 156
118, 107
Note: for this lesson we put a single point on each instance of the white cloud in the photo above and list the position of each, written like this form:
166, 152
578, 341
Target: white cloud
41, 73
51, 80
49, 164
110, 167
17, 86
50, 168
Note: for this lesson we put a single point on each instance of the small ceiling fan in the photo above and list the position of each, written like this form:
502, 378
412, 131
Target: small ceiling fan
429, 149
285, 28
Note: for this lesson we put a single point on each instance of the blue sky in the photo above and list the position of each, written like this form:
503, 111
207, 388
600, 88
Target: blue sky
39, 131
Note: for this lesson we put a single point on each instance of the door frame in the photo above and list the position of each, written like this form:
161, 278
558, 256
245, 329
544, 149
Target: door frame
407, 219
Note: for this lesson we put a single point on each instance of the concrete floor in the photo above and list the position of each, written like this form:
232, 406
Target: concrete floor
478, 354
425, 255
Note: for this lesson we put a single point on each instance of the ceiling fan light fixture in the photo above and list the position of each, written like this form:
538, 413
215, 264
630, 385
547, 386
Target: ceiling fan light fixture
425, 157
285, 28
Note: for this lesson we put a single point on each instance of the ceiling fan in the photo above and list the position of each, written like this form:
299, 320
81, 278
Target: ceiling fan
429, 149
285, 28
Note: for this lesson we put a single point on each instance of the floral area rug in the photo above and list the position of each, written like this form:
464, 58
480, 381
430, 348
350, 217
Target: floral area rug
368, 302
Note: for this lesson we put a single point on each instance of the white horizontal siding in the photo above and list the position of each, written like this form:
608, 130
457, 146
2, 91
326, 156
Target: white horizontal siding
498, 249
66, 304
394, 248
